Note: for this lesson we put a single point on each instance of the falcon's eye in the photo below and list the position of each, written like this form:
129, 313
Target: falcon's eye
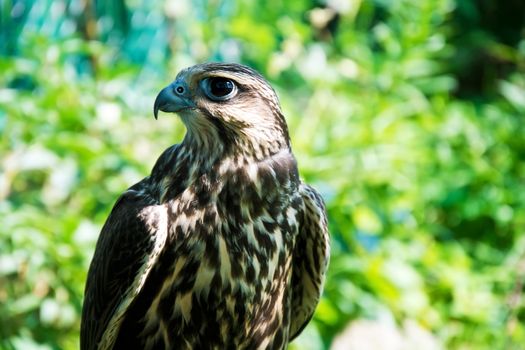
219, 89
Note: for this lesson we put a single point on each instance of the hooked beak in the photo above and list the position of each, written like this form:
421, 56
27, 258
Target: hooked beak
173, 98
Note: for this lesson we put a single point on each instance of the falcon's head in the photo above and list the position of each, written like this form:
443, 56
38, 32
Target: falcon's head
226, 106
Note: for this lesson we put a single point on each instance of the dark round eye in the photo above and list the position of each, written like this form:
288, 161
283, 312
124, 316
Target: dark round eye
219, 89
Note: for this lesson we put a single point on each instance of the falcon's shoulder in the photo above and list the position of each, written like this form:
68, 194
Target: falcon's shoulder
129, 242
311, 255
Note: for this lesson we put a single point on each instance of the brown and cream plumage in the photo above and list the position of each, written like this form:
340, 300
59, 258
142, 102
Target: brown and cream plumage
221, 246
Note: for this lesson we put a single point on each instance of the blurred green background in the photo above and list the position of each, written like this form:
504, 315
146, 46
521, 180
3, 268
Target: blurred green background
408, 116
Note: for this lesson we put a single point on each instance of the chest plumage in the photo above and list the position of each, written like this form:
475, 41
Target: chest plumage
224, 274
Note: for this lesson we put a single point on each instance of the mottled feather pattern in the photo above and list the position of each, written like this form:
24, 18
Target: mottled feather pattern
311, 256
222, 246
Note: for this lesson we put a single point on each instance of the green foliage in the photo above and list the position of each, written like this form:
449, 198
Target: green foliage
406, 115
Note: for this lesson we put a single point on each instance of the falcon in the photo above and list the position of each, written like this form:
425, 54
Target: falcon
222, 246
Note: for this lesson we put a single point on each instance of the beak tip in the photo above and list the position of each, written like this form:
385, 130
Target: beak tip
160, 101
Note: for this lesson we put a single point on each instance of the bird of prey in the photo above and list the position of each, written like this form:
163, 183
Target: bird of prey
222, 246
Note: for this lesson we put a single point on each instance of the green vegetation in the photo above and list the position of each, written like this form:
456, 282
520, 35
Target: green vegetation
407, 115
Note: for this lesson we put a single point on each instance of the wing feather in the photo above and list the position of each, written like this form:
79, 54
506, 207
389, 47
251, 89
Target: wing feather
311, 255
129, 243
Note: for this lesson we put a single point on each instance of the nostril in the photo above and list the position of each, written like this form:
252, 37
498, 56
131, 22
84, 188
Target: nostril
179, 89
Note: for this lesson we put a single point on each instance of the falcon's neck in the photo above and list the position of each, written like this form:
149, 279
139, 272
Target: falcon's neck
216, 145
201, 161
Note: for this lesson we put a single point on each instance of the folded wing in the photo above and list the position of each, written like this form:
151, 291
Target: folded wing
311, 255
130, 241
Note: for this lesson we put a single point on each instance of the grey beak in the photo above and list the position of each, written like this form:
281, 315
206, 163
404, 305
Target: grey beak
173, 98
163, 98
